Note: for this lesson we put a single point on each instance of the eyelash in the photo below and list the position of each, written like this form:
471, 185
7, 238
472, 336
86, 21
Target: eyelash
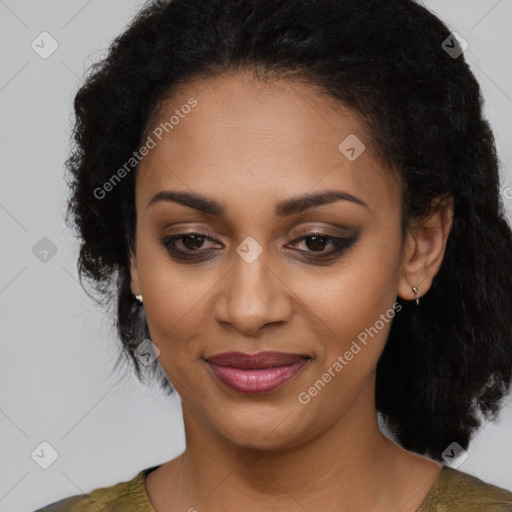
340, 245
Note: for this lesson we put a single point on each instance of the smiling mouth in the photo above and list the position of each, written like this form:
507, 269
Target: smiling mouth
257, 373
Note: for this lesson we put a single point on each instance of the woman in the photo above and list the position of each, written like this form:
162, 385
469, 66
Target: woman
295, 205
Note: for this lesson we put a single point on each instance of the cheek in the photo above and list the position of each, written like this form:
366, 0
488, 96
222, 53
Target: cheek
175, 302
356, 304
357, 307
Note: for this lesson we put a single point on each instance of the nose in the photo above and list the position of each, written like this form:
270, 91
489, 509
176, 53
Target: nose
252, 296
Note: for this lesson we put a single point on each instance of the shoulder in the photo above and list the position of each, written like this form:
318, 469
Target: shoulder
126, 496
456, 491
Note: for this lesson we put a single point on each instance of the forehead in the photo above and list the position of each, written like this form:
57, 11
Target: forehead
237, 138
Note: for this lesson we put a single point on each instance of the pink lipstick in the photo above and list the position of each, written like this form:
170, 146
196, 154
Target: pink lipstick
257, 373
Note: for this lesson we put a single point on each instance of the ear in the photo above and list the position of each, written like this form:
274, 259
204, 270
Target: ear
424, 248
134, 274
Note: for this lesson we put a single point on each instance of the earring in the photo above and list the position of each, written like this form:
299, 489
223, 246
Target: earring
416, 290
139, 298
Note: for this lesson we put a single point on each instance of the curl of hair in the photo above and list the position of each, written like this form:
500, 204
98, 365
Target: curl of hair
446, 360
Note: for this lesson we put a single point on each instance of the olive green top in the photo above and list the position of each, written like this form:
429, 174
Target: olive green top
452, 491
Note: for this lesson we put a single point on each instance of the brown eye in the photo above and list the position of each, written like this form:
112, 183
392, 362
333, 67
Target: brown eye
191, 243
317, 242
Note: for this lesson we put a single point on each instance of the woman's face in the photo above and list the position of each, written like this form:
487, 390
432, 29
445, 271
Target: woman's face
244, 155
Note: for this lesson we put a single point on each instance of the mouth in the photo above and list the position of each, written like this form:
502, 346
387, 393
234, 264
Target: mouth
257, 373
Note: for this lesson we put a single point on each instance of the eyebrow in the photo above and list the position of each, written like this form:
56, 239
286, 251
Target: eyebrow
284, 208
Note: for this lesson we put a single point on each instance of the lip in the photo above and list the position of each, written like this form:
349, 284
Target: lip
256, 373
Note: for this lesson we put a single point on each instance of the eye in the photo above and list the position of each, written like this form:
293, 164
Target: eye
190, 243
316, 243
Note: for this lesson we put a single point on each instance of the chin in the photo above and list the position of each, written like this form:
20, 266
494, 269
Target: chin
264, 428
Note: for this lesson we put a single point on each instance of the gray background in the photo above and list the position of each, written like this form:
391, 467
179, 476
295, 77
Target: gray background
57, 349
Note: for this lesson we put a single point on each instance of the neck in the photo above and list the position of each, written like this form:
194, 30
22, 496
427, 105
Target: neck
350, 465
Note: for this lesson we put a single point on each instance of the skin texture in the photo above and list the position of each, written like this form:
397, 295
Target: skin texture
249, 145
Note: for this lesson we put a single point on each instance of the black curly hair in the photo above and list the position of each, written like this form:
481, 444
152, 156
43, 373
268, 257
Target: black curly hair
446, 361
